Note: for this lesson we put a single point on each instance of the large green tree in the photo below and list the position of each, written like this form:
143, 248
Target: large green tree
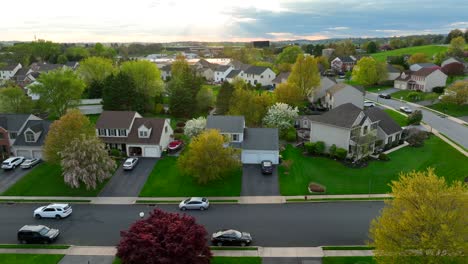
371, 47
95, 69
457, 93
58, 91
76, 53
224, 97
426, 222
418, 58
119, 94
305, 75
453, 34
368, 71
289, 54
457, 46
250, 104
14, 100
344, 48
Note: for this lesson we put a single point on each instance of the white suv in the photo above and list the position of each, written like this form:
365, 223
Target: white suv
57, 211
12, 163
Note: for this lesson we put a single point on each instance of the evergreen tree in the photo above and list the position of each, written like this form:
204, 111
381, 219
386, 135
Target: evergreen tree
119, 94
224, 97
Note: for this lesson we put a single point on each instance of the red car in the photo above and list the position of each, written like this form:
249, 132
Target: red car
175, 145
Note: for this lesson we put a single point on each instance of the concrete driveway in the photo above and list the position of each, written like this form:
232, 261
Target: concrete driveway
254, 183
129, 183
10, 177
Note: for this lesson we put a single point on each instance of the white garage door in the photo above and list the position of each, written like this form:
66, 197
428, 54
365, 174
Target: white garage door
37, 154
257, 157
23, 153
152, 152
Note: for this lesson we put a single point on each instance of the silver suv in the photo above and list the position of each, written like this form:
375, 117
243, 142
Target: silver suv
12, 163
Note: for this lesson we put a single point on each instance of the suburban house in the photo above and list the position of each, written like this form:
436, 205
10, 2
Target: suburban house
133, 134
418, 66
166, 72
10, 127
72, 65
342, 93
281, 78
258, 74
8, 71
221, 72
392, 72
232, 75
343, 64
388, 131
455, 60
239, 65
45, 67
205, 69
423, 80
325, 84
256, 144
31, 139
24, 77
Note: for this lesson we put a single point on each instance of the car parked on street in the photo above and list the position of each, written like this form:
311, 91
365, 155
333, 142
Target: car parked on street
405, 109
55, 210
29, 163
267, 166
231, 237
12, 163
37, 234
194, 203
130, 163
385, 95
369, 104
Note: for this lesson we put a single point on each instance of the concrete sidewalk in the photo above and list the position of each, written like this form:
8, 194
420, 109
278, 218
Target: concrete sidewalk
171, 200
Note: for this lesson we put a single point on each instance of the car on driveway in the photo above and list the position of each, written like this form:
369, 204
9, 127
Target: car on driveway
267, 167
385, 95
130, 163
194, 203
405, 109
57, 211
12, 163
369, 104
231, 237
175, 145
37, 234
29, 163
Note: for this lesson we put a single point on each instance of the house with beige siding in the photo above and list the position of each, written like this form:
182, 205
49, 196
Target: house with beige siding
342, 93
423, 80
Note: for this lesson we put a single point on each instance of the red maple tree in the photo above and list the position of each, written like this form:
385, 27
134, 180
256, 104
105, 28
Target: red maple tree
164, 238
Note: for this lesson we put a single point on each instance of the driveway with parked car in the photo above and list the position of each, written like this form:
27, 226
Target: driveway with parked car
128, 183
9, 177
255, 183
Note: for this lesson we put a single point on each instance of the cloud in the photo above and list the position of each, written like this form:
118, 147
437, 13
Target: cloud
338, 28
459, 24
387, 30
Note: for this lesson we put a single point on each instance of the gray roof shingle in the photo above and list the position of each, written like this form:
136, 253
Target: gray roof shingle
115, 119
36, 126
341, 116
156, 125
261, 139
226, 124
222, 68
8, 67
256, 70
13, 122
388, 125
233, 74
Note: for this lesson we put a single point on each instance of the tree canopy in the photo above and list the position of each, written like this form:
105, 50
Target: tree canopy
119, 94
14, 100
368, 71
288, 94
224, 97
250, 104
305, 75
95, 69
457, 46
456, 93
289, 54
418, 58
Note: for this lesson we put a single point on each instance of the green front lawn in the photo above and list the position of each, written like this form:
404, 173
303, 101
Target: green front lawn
399, 118
340, 179
223, 260
166, 180
348, 260
404, 95
451, 109
29, 259
47, 180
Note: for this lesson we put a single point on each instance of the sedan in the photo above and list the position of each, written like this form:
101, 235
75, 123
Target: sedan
57, 211
197, 203
130, 163
267, 167
369, 104
405, 109
29, 163
385, 96
231, 237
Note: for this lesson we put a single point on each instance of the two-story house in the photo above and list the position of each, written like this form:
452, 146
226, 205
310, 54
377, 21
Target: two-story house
24, 77
343, 64
342, 93
320, 92
31, 139
133, 134
221, 72
205, 69
8, 71
258, 74
418, 66
10, 127
423, 80
388, 131
256, 144
281, 78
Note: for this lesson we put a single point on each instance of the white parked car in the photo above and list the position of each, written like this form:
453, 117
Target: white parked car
197, 203
130, 163
12, 163
369, 104
29, 163
405, 109
55, 210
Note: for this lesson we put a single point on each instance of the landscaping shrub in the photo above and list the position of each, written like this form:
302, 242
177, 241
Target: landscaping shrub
378, 143
180, 124
179, 130
320, 147
310, 147
415, 118
178, 135
438, 90
332, 151
341, 153
115, 153
383, 157
416, 139
290, 135
159, 109
413, 96
316, 188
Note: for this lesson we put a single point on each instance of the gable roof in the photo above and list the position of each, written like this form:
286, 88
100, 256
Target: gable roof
222, 68
13, 122
388, 125
36, 126
115, 119
426, 65
340, 86
239, 65
341, 116
22, 72
280, 77
425, 71
455, 58
391, 68
261, 139
226, 124
49, 67
255, 70
233, 74
9, 67
346, 59
155, 124
71, 64
206, 64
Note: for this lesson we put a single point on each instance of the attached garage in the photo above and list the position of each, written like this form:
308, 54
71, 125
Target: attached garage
260, 144
37, 154
23, 153
153, 152
256, 156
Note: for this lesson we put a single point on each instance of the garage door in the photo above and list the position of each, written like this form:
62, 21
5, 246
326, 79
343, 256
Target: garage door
37, 154
152, 152
23, 153
257, 157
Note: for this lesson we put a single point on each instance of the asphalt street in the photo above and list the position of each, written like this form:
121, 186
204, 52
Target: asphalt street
455, 131
9, 177
273, 225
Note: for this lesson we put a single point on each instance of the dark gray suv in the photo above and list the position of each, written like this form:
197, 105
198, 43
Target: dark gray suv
37, 234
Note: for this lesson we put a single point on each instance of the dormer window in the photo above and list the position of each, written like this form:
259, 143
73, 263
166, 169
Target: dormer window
143, 133
29, 136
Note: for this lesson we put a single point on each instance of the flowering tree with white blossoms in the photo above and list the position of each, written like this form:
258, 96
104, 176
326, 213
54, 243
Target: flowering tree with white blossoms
281, 115
195, 126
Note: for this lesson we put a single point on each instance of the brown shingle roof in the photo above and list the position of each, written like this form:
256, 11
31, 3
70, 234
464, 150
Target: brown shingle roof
155, 124
115, 119
425, 71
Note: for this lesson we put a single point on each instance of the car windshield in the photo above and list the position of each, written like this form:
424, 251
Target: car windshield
44, 231
128, 162
237, 234
5, 163
267, 163
187, 200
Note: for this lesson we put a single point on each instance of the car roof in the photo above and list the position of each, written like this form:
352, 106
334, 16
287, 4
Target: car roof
35, 228
57, 205
10, 159
196, 199
224, 231
131, 159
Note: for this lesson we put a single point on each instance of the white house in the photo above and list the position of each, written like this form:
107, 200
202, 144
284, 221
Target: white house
342, 93
30, 140
134, 135
221, 72
423, 80
258, 74
392, 72
232, 75
343, 64
418, 66
8, 71
281, 78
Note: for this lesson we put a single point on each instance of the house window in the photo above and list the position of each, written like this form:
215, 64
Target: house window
389, 139
143, 133
122, 132
235, 137
165, 129
305, 123
365, 130
2, 136
29, 136
397, 137
261, 76
112, 132
13, 135
102, 132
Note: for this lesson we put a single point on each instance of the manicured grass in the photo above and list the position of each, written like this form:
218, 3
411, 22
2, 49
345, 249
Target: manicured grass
399, 118
47, 180
348, 248
451, 109
348, 260
404, 95
311, 200
339, 179
233, 248
34, 246
236, 260
29, 259
429, 50
373, 88
166, 180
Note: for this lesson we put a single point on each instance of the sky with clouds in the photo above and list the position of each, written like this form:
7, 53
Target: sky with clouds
220, 20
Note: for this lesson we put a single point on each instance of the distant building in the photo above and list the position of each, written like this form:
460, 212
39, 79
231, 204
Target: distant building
327, 52
261, 44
